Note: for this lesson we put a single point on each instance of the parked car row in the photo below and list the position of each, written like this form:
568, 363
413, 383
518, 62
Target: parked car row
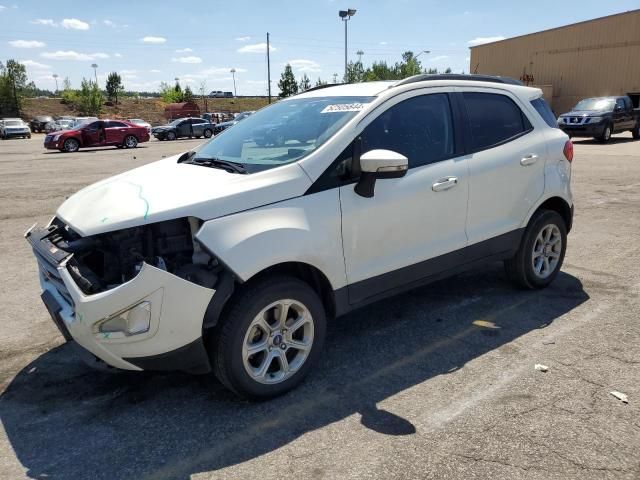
601, 117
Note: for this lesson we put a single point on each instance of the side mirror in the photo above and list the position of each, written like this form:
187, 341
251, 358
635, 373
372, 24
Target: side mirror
617, 108
381, 164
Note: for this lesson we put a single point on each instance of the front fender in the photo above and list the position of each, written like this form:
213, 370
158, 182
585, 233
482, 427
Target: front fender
304, 229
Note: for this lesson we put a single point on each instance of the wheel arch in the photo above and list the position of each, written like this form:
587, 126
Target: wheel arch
559, 205
230, 286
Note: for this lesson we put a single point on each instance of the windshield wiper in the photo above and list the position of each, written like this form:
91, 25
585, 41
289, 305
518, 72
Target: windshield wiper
217, 163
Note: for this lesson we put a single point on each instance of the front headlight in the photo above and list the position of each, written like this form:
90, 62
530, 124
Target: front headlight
595, 119
55, 139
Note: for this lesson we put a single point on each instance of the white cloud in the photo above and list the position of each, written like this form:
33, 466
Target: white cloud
109, 23
128, 72
72, 55
27, 44
44, 21
190, 59
438, 58
483, 40
184, 50
2, 7
35, 65
154, 40
383, 43
243, 39
155, 71
304, 65
256, 48
74, 24
117, 55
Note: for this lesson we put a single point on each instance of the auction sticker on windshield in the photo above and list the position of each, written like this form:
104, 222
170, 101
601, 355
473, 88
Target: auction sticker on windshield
343, 107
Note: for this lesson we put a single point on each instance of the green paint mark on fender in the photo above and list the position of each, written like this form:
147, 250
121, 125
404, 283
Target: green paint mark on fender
104, 219
146, 203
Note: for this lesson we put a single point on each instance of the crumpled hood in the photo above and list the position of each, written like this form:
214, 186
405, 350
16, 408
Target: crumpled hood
165, 190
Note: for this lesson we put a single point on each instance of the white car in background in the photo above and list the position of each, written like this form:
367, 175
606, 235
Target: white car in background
141, 123
230, 257
14, 127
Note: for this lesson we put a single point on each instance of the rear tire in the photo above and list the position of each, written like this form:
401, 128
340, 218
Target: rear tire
541, 252
254, 321
207, 133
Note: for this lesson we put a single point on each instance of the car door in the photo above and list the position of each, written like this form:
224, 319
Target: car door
93, 135
198, 126
115, 132
183, 129
403, 233
506, 163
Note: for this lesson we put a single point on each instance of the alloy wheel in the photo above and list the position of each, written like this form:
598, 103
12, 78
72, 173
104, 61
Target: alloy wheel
547, 249
278, 341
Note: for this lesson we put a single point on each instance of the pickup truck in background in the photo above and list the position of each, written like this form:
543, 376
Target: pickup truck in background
601, 117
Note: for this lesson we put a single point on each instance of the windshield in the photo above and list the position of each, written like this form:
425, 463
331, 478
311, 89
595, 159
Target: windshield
13, 123
82, 121
282, 133
137, 121
605, 104
176, 122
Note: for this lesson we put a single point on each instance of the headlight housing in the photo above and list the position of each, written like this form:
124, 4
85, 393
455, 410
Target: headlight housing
595, 119
55, 139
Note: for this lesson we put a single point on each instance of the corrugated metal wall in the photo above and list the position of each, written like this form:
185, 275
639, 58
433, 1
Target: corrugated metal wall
593, 58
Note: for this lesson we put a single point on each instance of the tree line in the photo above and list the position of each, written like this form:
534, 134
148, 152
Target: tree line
378, 70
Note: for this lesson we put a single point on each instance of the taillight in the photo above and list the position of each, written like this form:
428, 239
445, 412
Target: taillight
568, 150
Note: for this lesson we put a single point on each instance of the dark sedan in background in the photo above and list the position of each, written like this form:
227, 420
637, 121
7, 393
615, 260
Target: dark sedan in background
39, 123
220, 127
184, 127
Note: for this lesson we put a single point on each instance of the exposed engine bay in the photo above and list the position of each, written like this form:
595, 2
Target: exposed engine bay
104, 261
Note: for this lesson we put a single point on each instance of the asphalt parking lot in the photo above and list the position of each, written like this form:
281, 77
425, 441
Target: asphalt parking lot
435, 383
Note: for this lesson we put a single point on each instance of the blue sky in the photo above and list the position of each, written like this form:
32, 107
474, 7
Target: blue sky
153, 41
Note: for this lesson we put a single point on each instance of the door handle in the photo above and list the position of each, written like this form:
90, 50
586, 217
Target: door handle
444, 184
529, 160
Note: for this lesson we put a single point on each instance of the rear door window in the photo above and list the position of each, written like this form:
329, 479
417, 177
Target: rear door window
113, 124
494, 119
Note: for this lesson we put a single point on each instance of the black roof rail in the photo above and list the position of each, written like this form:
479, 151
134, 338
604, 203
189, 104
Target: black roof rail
326, 85
459, 76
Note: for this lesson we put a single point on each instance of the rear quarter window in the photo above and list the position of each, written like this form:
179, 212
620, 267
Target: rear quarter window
545, 112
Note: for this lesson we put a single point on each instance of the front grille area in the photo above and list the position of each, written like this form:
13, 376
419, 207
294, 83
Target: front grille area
49, 257
48, 138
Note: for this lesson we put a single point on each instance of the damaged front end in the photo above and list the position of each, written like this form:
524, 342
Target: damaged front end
136, 298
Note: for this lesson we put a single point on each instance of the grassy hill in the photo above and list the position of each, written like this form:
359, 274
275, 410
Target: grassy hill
149, 109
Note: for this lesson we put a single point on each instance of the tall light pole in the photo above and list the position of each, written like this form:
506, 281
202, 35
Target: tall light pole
233, 73
345, 15
55, 77
359, 53
416, 58
95, 71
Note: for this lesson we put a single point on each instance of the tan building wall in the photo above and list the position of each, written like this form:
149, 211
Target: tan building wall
593, 58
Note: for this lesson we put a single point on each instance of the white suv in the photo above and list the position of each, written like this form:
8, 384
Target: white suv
231, 257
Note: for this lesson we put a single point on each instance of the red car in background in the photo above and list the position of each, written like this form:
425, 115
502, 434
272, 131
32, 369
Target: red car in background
97, 133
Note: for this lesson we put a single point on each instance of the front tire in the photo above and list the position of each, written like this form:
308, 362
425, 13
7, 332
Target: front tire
541, 252
207, 133
270, 337
606, 134
71, 145
171, 136
130, 141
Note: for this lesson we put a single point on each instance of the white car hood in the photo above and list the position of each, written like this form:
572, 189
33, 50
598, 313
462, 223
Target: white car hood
165, 190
